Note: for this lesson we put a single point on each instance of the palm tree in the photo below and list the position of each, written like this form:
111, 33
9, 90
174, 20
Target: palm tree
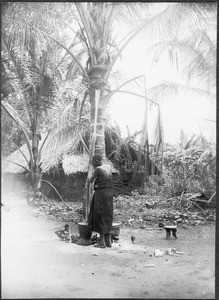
95, 35
95, 19
95, 22
192, 51
28, 78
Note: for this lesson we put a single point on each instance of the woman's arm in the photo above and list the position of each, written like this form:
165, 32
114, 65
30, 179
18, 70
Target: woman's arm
91, 179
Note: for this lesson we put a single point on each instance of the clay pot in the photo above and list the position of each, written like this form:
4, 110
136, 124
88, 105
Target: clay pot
84, 231
116, 229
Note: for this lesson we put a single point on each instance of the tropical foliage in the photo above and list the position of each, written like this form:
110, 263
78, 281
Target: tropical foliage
191, 50
58, 73
190, 167
29, 82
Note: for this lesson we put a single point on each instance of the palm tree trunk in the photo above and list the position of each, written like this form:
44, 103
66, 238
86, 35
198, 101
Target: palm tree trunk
35, 169
99, 127
92, 151
32, 141
98, 102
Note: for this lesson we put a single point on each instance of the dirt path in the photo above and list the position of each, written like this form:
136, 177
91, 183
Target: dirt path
36, 264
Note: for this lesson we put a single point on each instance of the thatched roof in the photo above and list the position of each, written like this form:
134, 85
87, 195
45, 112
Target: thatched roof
75, 163
71, 162
79, 163
13, 162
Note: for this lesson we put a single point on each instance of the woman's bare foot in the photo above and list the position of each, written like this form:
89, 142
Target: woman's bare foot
98, 245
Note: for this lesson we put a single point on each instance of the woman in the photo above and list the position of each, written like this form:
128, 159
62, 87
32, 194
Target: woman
101, 212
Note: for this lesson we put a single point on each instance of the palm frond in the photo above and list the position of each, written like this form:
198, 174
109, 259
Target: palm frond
68, 51
158, 134
107, 25
131, 13
14, 115
32, 78
89, 26
133, 83
73, 68
173, 90
66, 135
138, 95
15, 71
144, 133
17, 147
17, 164
153, 25
82, 105
117, 77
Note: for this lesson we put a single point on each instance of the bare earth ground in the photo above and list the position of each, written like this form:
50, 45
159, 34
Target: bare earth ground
36, 264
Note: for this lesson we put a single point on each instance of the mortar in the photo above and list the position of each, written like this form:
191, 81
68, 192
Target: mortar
84, 231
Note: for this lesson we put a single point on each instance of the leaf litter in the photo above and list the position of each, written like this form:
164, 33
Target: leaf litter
135, 211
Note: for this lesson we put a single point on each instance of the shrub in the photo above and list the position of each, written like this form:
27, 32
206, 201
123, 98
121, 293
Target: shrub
189, 170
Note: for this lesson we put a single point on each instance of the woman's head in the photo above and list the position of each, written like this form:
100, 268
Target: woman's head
97, 160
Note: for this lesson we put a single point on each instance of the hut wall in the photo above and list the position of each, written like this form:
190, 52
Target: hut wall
70, 187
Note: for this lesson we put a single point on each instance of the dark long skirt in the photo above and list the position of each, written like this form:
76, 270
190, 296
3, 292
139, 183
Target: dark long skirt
101, 211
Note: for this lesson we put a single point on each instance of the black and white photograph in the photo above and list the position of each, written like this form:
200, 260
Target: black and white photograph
108, 150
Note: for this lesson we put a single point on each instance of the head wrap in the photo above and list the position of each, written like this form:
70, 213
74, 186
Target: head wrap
97, 159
